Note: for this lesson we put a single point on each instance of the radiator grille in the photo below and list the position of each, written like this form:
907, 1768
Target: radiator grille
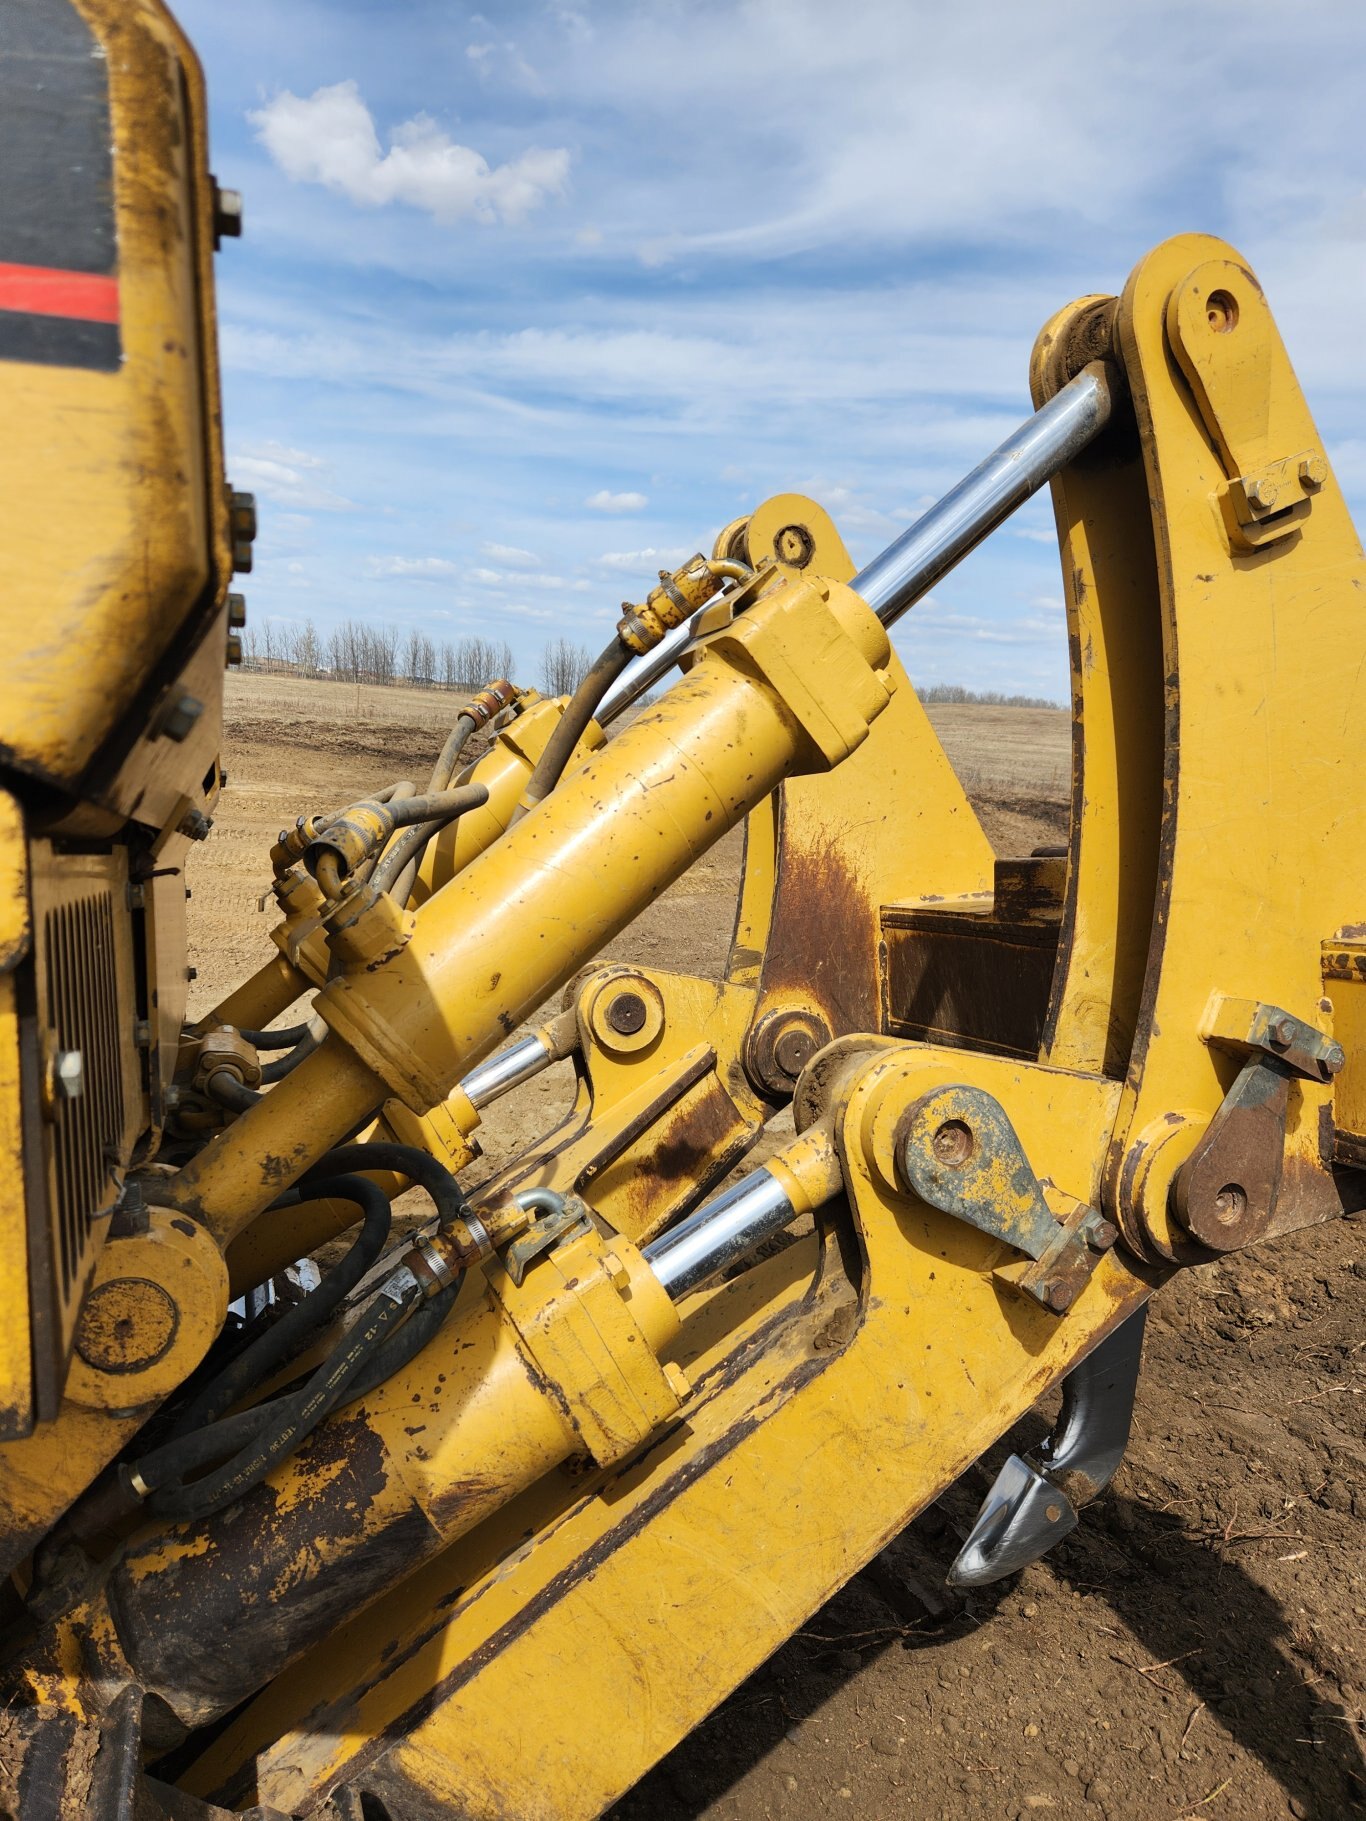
82, 1004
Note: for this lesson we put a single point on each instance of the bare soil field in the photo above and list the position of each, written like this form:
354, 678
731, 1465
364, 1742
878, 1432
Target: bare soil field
1193, 1651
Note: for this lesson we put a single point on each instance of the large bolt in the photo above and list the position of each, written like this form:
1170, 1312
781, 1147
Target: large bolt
1283, 1031
195, 824
1262, 494
1313, 470
953, 1143
237, 611
626, 1014
178, 716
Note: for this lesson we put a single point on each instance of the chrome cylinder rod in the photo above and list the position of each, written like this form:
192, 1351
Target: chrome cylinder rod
922, 555
907, 569
719, 1234
506, 1070
642, 673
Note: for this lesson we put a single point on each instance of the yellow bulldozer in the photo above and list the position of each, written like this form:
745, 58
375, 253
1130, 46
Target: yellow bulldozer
490, 1517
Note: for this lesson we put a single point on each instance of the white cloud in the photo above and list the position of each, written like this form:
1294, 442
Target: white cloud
330, 138
411, 568
288, 477
642, 562
511, 556
603, 501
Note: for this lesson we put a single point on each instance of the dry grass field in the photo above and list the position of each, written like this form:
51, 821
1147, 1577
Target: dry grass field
1193, 1651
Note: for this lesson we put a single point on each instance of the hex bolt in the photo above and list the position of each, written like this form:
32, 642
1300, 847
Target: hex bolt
617, 1274
677, 1381
241, 556
195, 824
1283, 1031
1262, 494
233, 652
1313, 470
178, 716
1334, 1058
142, 1034
237, 611
68, 1075
626, 1014
953, 1143
1057, 1296
1101, 1235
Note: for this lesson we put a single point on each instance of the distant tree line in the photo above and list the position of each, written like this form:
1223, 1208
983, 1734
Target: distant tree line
991, 698
358, 651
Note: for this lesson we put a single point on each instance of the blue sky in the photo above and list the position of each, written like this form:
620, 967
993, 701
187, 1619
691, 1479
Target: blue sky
533, 300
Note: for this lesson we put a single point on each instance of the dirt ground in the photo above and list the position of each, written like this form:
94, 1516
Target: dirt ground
1193, 1651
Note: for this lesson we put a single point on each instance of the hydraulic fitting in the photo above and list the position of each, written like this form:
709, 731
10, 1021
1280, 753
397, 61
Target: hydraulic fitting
676, 599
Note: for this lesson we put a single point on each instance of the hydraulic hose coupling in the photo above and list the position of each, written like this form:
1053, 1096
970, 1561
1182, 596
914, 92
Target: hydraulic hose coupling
676, 599
295, 842
491, 701
351, 837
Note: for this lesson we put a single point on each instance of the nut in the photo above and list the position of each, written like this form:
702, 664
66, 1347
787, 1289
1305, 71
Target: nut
617, 1274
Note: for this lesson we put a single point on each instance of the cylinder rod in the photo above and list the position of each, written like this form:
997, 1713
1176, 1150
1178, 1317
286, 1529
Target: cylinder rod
642, 673
719, 1234
506, 1069
924, 553
928, 549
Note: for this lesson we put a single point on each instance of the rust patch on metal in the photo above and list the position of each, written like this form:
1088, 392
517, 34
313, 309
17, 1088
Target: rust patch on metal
822, 943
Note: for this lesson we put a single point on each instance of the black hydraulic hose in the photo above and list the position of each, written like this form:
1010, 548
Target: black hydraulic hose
292, 1332
444, 769
286, 1421
315, 1032
411, 1338
228, 1090
579, 711
418, 1166
276, 1040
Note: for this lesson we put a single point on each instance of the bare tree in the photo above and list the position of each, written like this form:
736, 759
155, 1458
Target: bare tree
563, 666
308, 649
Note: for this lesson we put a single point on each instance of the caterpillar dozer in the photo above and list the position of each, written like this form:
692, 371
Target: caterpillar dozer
484, 1521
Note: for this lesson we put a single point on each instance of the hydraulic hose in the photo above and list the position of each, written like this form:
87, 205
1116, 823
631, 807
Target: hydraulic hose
277, 1040
405, 856
573, 723
444, 769
286, 1421
291, 1333
420, 1167
315, 1032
